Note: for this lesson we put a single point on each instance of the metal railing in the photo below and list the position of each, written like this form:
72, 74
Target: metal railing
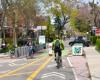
24, 51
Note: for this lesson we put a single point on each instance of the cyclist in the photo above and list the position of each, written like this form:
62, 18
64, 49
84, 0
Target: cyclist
58, 46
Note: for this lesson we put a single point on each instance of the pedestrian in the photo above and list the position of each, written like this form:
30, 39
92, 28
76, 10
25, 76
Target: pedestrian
30, 51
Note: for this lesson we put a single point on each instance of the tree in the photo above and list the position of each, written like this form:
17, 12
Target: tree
95, 12
73, 15
4, 9
49, 32
80, 18
13, 9
28, 11
59, 9
40, 21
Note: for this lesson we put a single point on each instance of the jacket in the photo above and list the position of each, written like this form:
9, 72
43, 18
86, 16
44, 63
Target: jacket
61, 44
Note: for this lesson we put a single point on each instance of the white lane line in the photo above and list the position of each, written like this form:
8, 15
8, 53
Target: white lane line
14, 64
16, 60
2, 72
54, 74
10, 61
2, 61
72, 68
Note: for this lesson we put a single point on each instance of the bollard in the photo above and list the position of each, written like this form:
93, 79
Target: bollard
22, 51
26, 51
16, 52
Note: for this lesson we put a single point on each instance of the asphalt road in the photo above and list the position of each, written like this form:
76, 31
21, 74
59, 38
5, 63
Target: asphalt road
50, 72
21, 69
41, 67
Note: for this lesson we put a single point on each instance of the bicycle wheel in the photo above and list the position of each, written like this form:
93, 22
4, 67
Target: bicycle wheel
58, 61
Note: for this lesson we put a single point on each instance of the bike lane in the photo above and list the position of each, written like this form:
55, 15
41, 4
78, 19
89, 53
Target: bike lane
50, 71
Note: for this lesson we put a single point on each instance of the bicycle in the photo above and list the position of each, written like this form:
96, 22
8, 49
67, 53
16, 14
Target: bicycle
12, 53
58, 61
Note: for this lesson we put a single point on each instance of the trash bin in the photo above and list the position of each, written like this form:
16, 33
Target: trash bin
50, 51
77, 49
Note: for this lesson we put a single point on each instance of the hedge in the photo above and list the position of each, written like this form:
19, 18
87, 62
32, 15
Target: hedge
98, 44
93, 39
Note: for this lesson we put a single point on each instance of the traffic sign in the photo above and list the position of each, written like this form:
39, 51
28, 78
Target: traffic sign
42, 39
97, 32
77, 49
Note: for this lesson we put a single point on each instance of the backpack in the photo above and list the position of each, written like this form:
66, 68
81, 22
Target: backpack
57, 44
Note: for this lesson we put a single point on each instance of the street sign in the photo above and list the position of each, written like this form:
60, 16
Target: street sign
97, 32
41, 27
77, 49
42, 39
94, 28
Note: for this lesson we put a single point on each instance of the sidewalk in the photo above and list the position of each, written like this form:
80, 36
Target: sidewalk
2, 55
93, 58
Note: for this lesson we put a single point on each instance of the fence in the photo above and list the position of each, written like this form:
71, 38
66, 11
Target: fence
24, 50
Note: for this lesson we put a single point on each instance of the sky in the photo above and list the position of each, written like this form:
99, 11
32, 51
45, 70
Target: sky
86, 1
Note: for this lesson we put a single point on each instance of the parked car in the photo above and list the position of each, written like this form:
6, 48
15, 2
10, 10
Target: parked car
80, 39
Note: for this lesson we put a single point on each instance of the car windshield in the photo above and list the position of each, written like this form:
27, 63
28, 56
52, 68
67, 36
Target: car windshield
72, 38
80, 38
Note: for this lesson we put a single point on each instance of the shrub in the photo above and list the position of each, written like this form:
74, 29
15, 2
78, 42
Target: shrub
9, 44
98, 44
93, 39
4, 50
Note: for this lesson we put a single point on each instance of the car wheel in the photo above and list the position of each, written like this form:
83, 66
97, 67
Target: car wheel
71, 44
87, 45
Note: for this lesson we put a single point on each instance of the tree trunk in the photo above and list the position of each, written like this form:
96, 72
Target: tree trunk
4, 7
2, 26
14, 30
27, 25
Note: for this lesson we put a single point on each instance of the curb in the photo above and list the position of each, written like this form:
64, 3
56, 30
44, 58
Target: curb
89, 76
89, 73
